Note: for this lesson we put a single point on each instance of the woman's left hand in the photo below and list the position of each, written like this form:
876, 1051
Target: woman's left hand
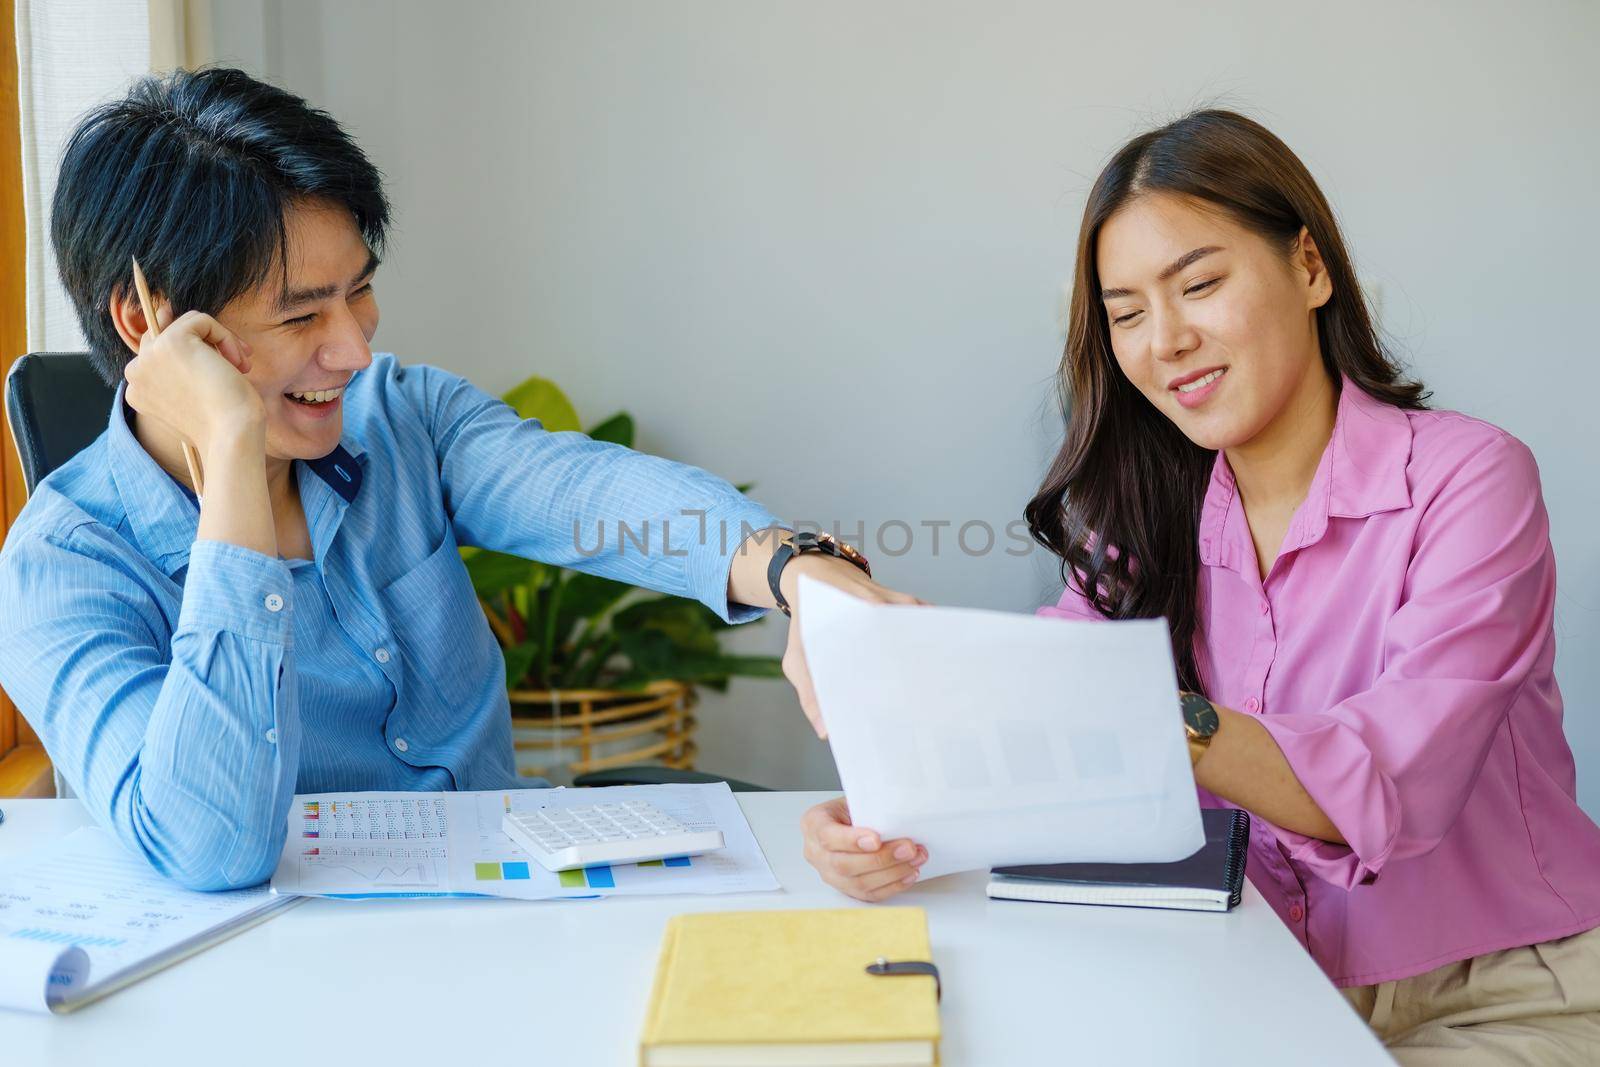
841, 575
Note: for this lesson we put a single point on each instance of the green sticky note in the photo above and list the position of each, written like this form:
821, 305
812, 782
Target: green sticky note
650, 863
487, 872
573, 879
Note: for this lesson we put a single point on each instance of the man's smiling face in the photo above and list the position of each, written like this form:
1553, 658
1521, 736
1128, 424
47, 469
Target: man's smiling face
310, 336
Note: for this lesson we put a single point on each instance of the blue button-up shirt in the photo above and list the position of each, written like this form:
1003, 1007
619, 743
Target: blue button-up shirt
188, 689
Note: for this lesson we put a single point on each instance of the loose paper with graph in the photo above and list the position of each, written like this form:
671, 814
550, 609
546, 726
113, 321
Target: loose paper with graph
451, 844
998, 739
83, 917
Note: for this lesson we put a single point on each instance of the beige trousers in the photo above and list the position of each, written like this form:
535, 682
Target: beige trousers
1538, 1005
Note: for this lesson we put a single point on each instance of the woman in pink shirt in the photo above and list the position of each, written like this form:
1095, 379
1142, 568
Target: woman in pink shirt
1361, 586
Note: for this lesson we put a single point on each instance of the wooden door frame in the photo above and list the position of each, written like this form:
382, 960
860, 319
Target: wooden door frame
24, 768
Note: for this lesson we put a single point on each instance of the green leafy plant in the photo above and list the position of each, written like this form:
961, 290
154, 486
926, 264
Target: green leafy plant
562, 629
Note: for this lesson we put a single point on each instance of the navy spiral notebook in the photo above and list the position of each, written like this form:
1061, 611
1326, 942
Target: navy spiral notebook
1210, 880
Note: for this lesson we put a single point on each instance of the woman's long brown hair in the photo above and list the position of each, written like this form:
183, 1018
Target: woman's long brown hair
1121, 503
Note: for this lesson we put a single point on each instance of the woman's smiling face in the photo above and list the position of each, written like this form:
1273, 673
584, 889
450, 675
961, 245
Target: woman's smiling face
1212, 323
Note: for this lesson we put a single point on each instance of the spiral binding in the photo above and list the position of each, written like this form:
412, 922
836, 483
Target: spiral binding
1238, 855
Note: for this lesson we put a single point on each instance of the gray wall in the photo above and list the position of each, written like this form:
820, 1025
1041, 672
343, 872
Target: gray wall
753, 224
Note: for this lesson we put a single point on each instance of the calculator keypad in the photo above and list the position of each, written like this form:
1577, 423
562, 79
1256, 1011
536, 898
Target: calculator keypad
558, 828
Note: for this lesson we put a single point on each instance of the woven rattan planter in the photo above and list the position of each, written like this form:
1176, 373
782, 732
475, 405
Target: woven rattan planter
560, 733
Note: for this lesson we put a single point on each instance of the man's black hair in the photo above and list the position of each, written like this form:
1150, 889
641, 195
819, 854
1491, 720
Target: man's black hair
193, 172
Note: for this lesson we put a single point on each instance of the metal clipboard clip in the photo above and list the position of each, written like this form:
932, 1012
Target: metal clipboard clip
883, 966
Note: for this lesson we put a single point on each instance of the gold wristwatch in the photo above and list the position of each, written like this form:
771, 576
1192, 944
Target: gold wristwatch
1200, 722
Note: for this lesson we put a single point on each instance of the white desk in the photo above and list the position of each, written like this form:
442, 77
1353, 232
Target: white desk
565, 983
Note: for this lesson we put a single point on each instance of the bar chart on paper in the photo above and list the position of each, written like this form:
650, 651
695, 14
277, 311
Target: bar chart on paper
497, 859
602, 877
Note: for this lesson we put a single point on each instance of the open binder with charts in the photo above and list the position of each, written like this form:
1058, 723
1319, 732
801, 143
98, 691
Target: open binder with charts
84, 917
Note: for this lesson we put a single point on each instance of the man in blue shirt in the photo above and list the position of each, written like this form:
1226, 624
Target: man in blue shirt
300, 620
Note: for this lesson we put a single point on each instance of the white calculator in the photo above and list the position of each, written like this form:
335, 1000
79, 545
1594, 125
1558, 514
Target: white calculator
623, 831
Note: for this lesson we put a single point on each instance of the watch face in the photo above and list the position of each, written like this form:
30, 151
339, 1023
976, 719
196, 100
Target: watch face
1199, 715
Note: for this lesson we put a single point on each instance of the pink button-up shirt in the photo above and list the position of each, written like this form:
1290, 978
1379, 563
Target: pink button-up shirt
1400, 652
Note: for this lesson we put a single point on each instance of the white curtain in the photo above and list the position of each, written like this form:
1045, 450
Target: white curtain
72, 55
180, 33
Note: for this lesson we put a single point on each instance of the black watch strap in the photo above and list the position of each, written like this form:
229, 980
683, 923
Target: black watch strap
798, 545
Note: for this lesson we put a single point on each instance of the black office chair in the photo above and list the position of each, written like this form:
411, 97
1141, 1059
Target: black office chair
58, 404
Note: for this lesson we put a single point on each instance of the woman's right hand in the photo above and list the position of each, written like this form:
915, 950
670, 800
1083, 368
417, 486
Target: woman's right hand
192, 378
854, 860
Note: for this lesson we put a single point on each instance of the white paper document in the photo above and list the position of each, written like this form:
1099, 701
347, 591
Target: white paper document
451, 844
998, 739
83, 917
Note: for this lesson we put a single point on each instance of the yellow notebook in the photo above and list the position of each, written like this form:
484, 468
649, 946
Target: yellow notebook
791, 988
